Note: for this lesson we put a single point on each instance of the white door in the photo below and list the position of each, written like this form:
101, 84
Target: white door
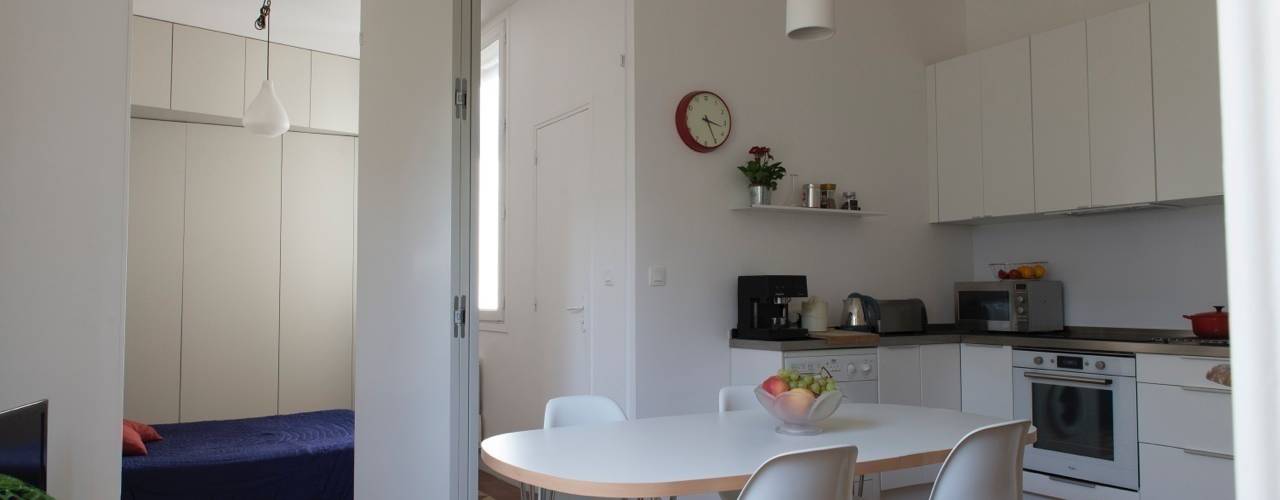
563, 253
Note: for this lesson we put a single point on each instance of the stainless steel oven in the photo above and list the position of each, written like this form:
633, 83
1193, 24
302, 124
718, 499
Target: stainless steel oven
1009, 306
1085, 409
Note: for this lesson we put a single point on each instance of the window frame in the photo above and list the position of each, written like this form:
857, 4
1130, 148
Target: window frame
495, 321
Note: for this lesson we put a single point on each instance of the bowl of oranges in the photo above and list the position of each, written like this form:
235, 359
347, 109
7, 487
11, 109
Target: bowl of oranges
1020, 270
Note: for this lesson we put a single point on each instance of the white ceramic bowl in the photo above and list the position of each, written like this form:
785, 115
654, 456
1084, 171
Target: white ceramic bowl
798, 413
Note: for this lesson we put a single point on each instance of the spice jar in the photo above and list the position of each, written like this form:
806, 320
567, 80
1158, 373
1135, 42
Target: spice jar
828, 195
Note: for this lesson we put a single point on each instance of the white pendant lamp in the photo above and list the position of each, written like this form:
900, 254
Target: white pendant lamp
811, 19
266, 115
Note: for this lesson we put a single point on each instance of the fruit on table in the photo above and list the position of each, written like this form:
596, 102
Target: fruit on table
1027, 272
1014, 274
1002, 274
774, 385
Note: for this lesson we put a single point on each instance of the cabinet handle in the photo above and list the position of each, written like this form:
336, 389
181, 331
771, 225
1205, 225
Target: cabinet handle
1072, 482
1209, 390
900, 346
1201, 358
1067, 378
1210, 454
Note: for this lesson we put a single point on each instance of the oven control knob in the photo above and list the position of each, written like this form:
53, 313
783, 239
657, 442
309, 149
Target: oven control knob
866, 368
850, 369
1101, 365
1021, 299
1039, 360
1022, 310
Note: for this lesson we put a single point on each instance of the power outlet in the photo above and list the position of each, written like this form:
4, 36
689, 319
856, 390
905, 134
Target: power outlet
657, 276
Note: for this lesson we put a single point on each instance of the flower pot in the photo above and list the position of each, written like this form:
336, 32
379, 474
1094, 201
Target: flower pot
760, 195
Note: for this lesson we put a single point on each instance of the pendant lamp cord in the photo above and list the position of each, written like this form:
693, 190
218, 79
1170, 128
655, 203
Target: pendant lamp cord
261, 24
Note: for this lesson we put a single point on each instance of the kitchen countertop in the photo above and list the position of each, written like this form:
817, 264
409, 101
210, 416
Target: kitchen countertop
1119, 340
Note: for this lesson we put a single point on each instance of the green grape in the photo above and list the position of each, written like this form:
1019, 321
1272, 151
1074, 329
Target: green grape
806, 380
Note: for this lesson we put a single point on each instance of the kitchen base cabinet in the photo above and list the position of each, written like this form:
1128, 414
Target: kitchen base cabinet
1178, 473
986, 378
1036, 486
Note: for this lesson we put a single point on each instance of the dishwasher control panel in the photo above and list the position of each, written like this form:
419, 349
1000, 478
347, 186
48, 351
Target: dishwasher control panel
843, 368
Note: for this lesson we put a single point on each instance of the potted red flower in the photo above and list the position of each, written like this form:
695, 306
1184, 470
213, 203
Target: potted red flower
762, 174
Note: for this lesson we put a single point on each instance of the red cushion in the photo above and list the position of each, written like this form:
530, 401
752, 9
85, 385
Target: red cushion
146, 432
132, 442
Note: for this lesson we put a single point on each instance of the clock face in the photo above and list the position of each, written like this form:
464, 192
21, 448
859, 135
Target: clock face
703, 121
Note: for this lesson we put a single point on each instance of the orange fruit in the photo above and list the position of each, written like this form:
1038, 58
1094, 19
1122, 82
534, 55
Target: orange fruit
1027, 272
1040, 270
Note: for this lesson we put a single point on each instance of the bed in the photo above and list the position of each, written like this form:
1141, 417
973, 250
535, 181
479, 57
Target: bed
301, 456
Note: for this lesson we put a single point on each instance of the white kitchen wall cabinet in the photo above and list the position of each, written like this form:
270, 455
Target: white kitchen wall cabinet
959, 111
335, 93
1121, 135
154, 296
208, 72
1008, 175
150, 59
986, 376
290, 75
1188, 123
317, 247
231, 271
931, 124
1060, 108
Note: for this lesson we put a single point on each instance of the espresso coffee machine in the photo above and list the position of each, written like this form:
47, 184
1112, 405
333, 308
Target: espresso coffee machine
763, 307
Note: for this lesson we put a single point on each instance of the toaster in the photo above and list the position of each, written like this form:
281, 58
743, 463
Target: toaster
902, 316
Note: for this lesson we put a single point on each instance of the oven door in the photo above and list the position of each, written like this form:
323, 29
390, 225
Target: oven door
985, 309
1086, 424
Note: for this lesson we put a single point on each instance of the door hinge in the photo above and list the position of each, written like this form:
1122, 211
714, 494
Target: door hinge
460, 316
460, 104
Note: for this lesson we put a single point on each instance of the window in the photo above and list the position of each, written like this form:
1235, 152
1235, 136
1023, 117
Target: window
491, 216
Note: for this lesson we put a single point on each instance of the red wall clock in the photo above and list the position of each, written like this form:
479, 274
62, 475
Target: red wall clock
703, 121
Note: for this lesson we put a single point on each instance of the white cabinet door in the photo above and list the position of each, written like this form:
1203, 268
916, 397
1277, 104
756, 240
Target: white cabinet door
208, 72
1007, 170
1060, 107
150, 57
986, 374
1188, 123
940, 376
317, 248
153, 325
231, 271
1165, 412
1175, 473
899, 376
931, 126
959, 108
1120, 111
290, 75
335, 93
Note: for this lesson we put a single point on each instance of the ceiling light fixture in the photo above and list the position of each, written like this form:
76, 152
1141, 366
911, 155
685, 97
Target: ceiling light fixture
265, 115
810, 19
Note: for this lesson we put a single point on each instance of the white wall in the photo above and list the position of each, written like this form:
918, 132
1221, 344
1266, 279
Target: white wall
992, 22
1141, 270
1133, 270
562, 55
326, 25
64, 118
849, 110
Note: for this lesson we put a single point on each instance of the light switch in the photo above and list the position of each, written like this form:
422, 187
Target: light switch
657, 276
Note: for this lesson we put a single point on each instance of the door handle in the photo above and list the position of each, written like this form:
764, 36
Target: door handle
575, 309
1067, 378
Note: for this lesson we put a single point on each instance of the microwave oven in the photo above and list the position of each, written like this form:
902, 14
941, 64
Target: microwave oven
1009, 306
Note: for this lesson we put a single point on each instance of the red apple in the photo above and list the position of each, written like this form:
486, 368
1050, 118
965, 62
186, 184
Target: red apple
1002, 275
774, 385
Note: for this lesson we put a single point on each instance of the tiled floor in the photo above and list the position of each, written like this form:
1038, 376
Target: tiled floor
497, 489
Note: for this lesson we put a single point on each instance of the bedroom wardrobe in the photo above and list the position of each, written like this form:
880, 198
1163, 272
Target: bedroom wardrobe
240, 272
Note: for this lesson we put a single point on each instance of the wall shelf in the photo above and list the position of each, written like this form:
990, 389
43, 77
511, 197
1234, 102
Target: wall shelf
808, 211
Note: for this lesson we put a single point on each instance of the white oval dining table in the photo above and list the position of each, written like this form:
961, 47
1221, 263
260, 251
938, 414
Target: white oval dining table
709, 452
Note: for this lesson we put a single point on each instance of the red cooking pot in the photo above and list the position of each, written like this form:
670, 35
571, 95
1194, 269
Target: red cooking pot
1209, 325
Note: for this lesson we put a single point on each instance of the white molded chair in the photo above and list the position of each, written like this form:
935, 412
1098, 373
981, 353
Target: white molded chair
819, 473
738, 397
987, 463
580, 410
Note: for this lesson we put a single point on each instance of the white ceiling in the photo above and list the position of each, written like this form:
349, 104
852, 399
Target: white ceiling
324, 25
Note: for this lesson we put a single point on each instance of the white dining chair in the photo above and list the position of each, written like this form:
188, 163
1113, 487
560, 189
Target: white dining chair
581, 410
738, 397
987, 463
574, 410
816, 473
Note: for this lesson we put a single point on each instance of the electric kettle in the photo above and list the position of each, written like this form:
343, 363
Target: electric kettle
861, 313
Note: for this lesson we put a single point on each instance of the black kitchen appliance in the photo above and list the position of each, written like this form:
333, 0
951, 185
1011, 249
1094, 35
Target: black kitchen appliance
763, 307
24, 436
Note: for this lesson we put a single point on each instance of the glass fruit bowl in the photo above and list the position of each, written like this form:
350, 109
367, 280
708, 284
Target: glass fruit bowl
1019, 270
799, 411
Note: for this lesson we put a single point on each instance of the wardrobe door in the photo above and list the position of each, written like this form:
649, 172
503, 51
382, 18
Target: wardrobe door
231, 275
317, 250
153, 325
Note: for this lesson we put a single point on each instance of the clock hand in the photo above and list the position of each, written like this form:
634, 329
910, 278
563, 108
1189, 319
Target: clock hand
713, 132
708, 120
